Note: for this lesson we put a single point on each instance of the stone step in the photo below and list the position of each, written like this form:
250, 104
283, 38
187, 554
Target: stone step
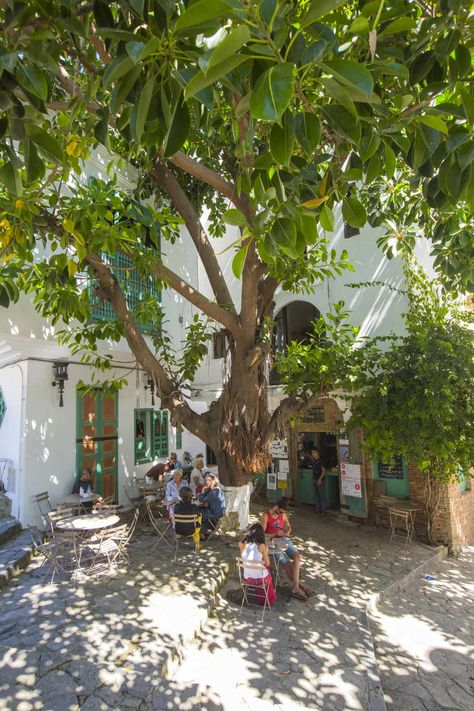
15, 554
9, 527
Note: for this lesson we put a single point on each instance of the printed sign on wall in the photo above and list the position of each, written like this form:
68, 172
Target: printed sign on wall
350, 480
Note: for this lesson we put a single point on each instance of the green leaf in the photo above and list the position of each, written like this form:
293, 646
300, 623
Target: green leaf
11, 179
230, 45
32, 80
46, 144
351, 74
343, 122
117, 69
327, 219
272, 92
134, 50
141, 109
368, 145
201, 12
234, 217
360, 24
354, 212
319, 8
178, 130
285, 234
33, 163
309, 228
200, 80
308, 131
374, 169
137, 6
463, 60
123, 88
282, 139
435, 122
390, 161
238, 261
468, 103
101, 131
401, 24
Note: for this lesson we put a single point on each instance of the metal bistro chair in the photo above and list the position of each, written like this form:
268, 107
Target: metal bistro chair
195, 520
161, 524
110, 547
62, 554
258, 591
44, 504
62, 515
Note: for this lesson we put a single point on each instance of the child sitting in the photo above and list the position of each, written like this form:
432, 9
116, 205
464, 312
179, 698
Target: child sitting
253, 548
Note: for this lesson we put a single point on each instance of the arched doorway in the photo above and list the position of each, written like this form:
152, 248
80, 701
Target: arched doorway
292, 323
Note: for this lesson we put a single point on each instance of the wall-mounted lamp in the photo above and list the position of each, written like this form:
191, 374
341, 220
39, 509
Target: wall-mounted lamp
60, 375
151, 387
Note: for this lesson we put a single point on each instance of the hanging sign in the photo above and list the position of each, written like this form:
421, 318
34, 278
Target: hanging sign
350, 480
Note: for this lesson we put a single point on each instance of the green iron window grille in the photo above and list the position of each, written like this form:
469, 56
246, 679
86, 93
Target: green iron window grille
135, 288
179, 438
151, 434
3, 407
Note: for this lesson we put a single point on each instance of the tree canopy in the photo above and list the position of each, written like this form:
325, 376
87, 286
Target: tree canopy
271, 114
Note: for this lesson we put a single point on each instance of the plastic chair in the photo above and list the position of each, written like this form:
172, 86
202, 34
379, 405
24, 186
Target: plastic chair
195, 520
253, 590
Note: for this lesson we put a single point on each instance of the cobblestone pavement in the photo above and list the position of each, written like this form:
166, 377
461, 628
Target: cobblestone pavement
105, 644
425, 640
315, 654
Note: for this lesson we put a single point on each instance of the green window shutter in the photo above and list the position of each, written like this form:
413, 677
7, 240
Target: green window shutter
143, 435
134, 286
160, 433
463, 482
179, 438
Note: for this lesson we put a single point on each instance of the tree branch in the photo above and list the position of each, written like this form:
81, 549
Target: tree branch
167, 389
289, 407
207, 175
204, 248
194, 297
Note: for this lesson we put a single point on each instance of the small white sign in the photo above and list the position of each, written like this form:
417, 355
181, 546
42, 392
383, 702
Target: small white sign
271, 481
279, 449
284, 466
350, 480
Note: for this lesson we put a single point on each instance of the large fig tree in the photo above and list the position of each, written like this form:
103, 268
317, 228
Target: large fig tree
267, 114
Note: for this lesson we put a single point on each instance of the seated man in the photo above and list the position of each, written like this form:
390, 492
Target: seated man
212, 502
276, 525
185, 507
84, 486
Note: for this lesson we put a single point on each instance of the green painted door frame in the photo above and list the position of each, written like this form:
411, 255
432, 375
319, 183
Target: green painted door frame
97, 440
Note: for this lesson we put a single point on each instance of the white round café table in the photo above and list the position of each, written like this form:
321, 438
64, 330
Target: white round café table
88, 522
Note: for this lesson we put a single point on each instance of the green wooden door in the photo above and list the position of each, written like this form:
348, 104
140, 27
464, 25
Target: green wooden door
97, 439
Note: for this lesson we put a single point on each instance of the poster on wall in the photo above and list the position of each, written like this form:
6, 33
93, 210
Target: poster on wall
284, 466
282, 483
271, 481
350, 480
344, 453
279, 449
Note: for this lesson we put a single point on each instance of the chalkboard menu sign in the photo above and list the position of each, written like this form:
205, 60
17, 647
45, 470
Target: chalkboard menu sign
393, 470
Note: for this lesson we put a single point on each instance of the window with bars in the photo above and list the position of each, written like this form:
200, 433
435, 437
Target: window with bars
135, 288
151, 435
179, 438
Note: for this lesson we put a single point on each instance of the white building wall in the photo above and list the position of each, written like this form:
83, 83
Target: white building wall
13, 384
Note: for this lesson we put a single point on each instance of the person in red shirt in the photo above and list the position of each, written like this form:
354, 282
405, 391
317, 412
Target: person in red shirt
276, 525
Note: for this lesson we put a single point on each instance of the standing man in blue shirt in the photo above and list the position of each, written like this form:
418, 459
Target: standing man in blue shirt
319, 472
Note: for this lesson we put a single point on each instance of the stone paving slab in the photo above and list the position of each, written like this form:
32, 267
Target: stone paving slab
110, 643
424, 640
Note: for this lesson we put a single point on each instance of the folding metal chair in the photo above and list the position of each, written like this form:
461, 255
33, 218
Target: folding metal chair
110, 546
44, 504
195, 520
216, 530
255, 590
62, 553
161, 524
63, 514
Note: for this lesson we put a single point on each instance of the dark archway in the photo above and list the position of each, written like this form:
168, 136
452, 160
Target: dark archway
292, 323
